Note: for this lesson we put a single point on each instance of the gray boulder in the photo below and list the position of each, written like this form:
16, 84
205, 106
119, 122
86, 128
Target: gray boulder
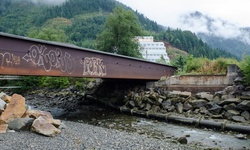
198, 103
244, 105
215, 109
238, 119
20, 123
246, 115
179, 108
204, 95
231, 106
229, 101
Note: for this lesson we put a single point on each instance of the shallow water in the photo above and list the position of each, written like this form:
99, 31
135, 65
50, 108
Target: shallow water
115, 120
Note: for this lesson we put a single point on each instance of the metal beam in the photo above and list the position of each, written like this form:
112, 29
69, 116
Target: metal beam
26, 56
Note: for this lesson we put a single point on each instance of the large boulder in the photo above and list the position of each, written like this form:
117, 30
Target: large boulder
15, 109
43, 126
46, 115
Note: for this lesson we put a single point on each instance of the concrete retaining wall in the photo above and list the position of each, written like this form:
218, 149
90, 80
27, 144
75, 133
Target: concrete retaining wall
200, 83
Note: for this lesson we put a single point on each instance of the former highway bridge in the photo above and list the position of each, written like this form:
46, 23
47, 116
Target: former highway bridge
27, 56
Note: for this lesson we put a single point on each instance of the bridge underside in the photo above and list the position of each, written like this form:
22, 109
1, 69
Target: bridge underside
26, 56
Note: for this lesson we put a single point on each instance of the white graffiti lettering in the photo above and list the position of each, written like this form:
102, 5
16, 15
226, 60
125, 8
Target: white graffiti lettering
8, 60
40, 56
93, 66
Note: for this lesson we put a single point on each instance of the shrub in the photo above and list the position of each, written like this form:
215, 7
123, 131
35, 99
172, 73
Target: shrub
245, 67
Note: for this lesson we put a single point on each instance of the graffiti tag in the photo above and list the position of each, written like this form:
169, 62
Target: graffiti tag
93, 66
7, 59
40, 56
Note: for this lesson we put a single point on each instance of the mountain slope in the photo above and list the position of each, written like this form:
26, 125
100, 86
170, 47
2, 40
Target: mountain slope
218, 33
80, 21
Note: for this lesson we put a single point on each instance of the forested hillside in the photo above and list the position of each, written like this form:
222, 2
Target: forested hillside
80, 21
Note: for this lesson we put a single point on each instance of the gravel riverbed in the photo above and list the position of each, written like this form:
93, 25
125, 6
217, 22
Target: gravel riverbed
80, 136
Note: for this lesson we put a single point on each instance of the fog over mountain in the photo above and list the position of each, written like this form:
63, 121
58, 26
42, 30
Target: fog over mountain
218, 33
49, 2
200, 23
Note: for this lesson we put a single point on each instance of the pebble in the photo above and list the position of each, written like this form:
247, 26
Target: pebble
80, 136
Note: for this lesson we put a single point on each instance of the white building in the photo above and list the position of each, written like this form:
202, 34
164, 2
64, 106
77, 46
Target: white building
151, 50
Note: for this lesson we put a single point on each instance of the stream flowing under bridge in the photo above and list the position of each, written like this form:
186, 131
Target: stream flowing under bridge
27, 56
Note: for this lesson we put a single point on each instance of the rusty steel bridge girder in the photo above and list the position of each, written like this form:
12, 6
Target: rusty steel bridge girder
26, 56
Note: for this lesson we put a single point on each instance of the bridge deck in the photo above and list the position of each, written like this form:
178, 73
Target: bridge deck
26, 56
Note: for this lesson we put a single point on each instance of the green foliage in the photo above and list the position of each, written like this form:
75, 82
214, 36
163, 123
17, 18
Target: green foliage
49, 34
161, 60
245, 67
54, 82
191, 65
179, 62
118, 36
190, 43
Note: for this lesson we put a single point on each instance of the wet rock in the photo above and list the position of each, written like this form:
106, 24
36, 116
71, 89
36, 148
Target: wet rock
229, 101
215, 109
3, 128
246, 115
198, 103
204, 95
182, 140
15, 109
42, 126
231, 106
241, 136
179, 108
20, 123
238, 119
244, 105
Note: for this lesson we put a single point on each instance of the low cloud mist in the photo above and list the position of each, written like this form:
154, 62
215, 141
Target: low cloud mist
49, 2
200, 23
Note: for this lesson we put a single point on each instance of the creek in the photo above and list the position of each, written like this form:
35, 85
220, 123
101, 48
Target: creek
107, 118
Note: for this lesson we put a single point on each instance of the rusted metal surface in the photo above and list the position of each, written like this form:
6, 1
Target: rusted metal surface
26, 56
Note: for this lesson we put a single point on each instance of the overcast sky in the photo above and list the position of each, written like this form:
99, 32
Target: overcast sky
167, 12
